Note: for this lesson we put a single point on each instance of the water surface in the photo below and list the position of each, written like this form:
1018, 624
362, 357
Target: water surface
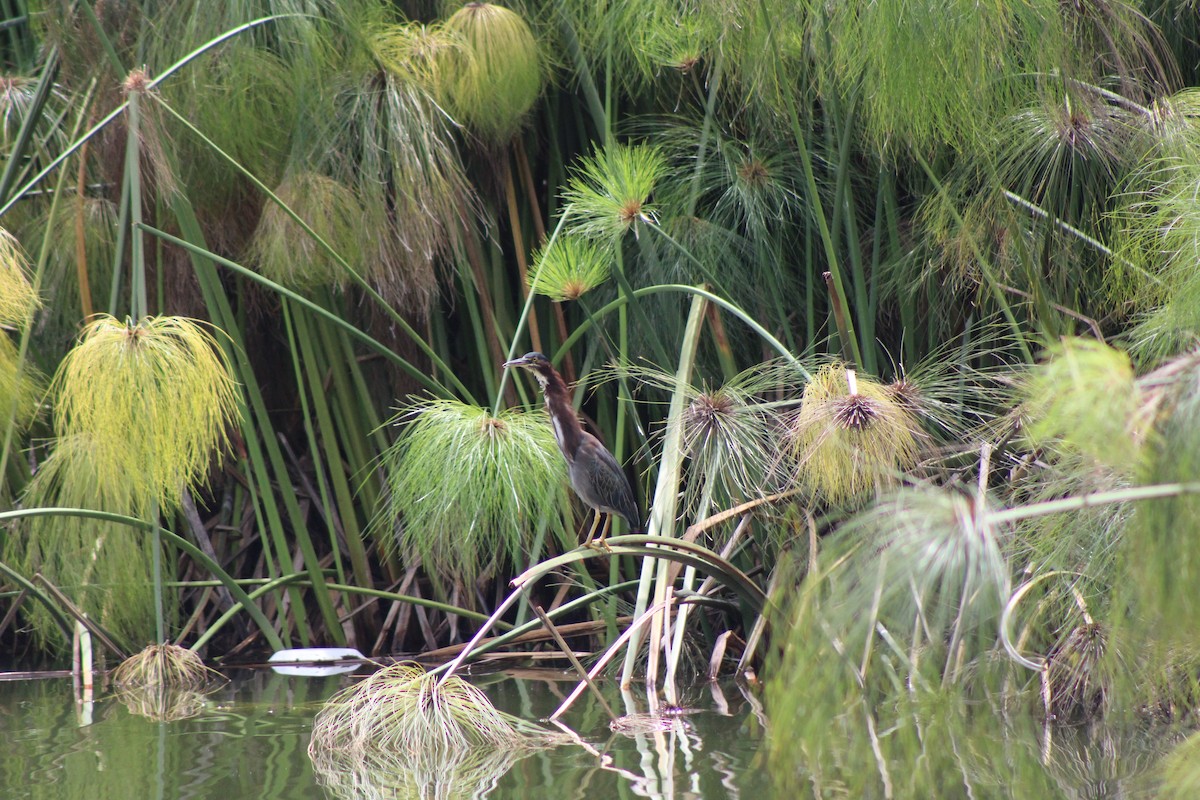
249, 741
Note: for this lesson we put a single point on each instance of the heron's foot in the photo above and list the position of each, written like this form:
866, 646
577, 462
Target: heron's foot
600, 544
593, 542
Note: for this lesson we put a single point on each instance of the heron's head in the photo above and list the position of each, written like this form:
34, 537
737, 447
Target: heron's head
530, 361
536, 363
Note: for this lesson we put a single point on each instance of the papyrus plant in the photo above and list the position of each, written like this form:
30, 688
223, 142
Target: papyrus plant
285, 252
390, 152
851, 436
154, 398
469, 487
18, 386
610, 190
105, 568
1083, 398
403, 733
18, 300
570, 267
494, 79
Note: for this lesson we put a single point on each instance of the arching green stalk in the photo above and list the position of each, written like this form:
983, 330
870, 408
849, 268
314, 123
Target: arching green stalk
672, 549
650, 547
525, 310
371, 342
1081, 502
119, 110
1038, 212
397, 318
52, 608
662, 288
303, 578
192, 550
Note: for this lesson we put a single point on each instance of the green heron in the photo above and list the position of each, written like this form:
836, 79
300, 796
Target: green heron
595, 474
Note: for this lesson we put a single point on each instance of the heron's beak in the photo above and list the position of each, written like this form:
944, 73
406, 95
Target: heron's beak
516, 362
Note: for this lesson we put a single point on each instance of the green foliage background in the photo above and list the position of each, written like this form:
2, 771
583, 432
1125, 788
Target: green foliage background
968, 231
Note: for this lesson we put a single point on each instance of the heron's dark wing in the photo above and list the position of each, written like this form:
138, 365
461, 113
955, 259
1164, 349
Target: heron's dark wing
601, 483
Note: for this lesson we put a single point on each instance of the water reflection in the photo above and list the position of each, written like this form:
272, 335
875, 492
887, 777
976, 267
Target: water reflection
707, 751
462, 774
162, 704
250, 740
953, 750
703, 750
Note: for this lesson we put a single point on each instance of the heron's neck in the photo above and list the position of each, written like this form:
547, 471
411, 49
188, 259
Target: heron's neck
567, 429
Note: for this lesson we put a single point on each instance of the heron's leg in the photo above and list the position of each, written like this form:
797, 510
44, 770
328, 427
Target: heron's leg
600, 543
592, 532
